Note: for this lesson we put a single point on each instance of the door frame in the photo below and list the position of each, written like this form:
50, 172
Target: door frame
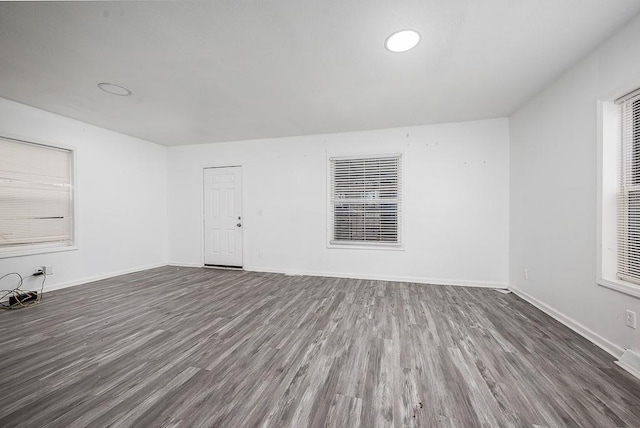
243, 199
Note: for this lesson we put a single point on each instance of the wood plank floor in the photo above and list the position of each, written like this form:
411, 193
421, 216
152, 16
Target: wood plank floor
174, 347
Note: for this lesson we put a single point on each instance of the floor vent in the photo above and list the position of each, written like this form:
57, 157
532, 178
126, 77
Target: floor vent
630, 361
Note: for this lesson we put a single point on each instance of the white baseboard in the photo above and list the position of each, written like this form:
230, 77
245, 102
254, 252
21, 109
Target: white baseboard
574, 325
85, 280
419, 280
185, 264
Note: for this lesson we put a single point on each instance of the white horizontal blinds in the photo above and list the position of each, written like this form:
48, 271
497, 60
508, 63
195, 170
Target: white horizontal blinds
629, 190
366, 199
35, 194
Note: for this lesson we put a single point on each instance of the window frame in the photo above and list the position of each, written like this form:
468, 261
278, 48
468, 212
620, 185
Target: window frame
608, 170
628, 189
366, 245
49, 247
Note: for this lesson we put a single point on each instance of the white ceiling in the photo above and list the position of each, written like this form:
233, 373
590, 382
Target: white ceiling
232, 70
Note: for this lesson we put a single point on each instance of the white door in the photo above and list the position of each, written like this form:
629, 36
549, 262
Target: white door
223, 216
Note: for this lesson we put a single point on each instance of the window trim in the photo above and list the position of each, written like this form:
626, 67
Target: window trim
49, 247
607, 168
627, 184
619, 285
350, 245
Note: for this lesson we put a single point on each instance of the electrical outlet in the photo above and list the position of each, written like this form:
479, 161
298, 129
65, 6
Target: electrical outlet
46, 270
631, 319
525, 272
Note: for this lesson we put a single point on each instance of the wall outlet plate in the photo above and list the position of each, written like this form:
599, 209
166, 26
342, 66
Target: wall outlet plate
631, 319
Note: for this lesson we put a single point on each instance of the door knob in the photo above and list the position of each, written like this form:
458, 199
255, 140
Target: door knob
239, 224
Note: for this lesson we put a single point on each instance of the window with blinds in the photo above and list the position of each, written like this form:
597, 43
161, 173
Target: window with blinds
36, 204
629, 189
365, 200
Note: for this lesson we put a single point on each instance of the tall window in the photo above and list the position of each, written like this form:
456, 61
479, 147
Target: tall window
629, 190
366, 200
36, 204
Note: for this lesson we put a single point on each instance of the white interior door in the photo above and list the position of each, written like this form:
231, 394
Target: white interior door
223, 216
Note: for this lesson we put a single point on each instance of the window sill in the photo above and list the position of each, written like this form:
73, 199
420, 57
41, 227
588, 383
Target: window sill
398, 247
19, 252
620, 286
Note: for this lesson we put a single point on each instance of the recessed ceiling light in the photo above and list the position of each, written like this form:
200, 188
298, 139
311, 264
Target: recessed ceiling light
402, 41
114, 89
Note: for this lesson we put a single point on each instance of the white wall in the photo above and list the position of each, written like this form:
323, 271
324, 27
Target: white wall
120, 190
553, 180
455, 202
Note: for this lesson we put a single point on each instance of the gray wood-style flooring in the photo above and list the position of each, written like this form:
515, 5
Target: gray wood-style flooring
173, 347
